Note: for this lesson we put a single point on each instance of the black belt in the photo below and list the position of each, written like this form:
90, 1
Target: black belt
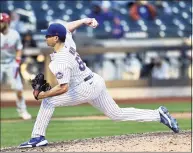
88, 77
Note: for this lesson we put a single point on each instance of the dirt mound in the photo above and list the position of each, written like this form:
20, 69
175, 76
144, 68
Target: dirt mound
151, 142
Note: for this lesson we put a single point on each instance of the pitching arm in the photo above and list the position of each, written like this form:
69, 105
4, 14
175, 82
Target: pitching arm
91, 22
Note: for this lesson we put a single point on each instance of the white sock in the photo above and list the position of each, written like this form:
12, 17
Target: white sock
21, 105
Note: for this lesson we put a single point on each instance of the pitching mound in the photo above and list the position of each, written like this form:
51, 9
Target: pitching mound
151, 142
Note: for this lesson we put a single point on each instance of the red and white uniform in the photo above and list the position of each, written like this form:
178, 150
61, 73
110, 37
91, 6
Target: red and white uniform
10, 43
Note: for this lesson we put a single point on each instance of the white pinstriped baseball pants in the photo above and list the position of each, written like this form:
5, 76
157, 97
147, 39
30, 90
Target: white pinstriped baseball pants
93, 91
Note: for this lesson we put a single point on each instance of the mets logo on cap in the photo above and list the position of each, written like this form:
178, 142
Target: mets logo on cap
55, 29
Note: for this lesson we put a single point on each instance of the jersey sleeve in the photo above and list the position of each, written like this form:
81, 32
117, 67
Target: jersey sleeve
19, 45
62, 73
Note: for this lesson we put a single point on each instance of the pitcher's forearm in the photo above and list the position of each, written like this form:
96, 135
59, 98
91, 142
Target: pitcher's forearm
91, 22
71, 26
55, 91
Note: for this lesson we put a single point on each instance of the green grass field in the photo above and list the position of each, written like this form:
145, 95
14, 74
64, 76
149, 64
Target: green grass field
87, 110
12, 134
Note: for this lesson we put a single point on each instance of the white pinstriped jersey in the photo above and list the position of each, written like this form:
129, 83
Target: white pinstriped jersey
67, 65
10, 43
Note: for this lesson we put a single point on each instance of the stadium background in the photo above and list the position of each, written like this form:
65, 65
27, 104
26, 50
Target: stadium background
141, 48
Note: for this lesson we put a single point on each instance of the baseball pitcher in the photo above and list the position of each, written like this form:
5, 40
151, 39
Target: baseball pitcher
78, 84
11, 52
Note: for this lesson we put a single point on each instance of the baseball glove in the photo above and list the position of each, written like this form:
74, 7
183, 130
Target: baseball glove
39, 84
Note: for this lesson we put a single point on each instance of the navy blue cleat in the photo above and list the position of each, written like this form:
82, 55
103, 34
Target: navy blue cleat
34, 142
167, 119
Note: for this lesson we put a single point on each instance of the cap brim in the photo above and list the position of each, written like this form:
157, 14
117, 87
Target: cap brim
44, 31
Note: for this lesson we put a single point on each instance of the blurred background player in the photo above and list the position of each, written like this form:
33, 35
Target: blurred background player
11, 54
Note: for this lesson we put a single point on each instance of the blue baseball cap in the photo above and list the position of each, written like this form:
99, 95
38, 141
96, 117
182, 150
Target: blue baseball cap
55, 29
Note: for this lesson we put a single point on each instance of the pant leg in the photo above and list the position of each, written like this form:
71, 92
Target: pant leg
107, 105
14, 78
2, 72
48, 106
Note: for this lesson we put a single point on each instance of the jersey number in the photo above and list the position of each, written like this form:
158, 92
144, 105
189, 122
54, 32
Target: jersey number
78, 59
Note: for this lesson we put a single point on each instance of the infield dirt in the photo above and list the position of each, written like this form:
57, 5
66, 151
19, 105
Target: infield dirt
147, 142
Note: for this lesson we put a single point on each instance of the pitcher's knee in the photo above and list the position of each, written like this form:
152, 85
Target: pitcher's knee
115, 115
